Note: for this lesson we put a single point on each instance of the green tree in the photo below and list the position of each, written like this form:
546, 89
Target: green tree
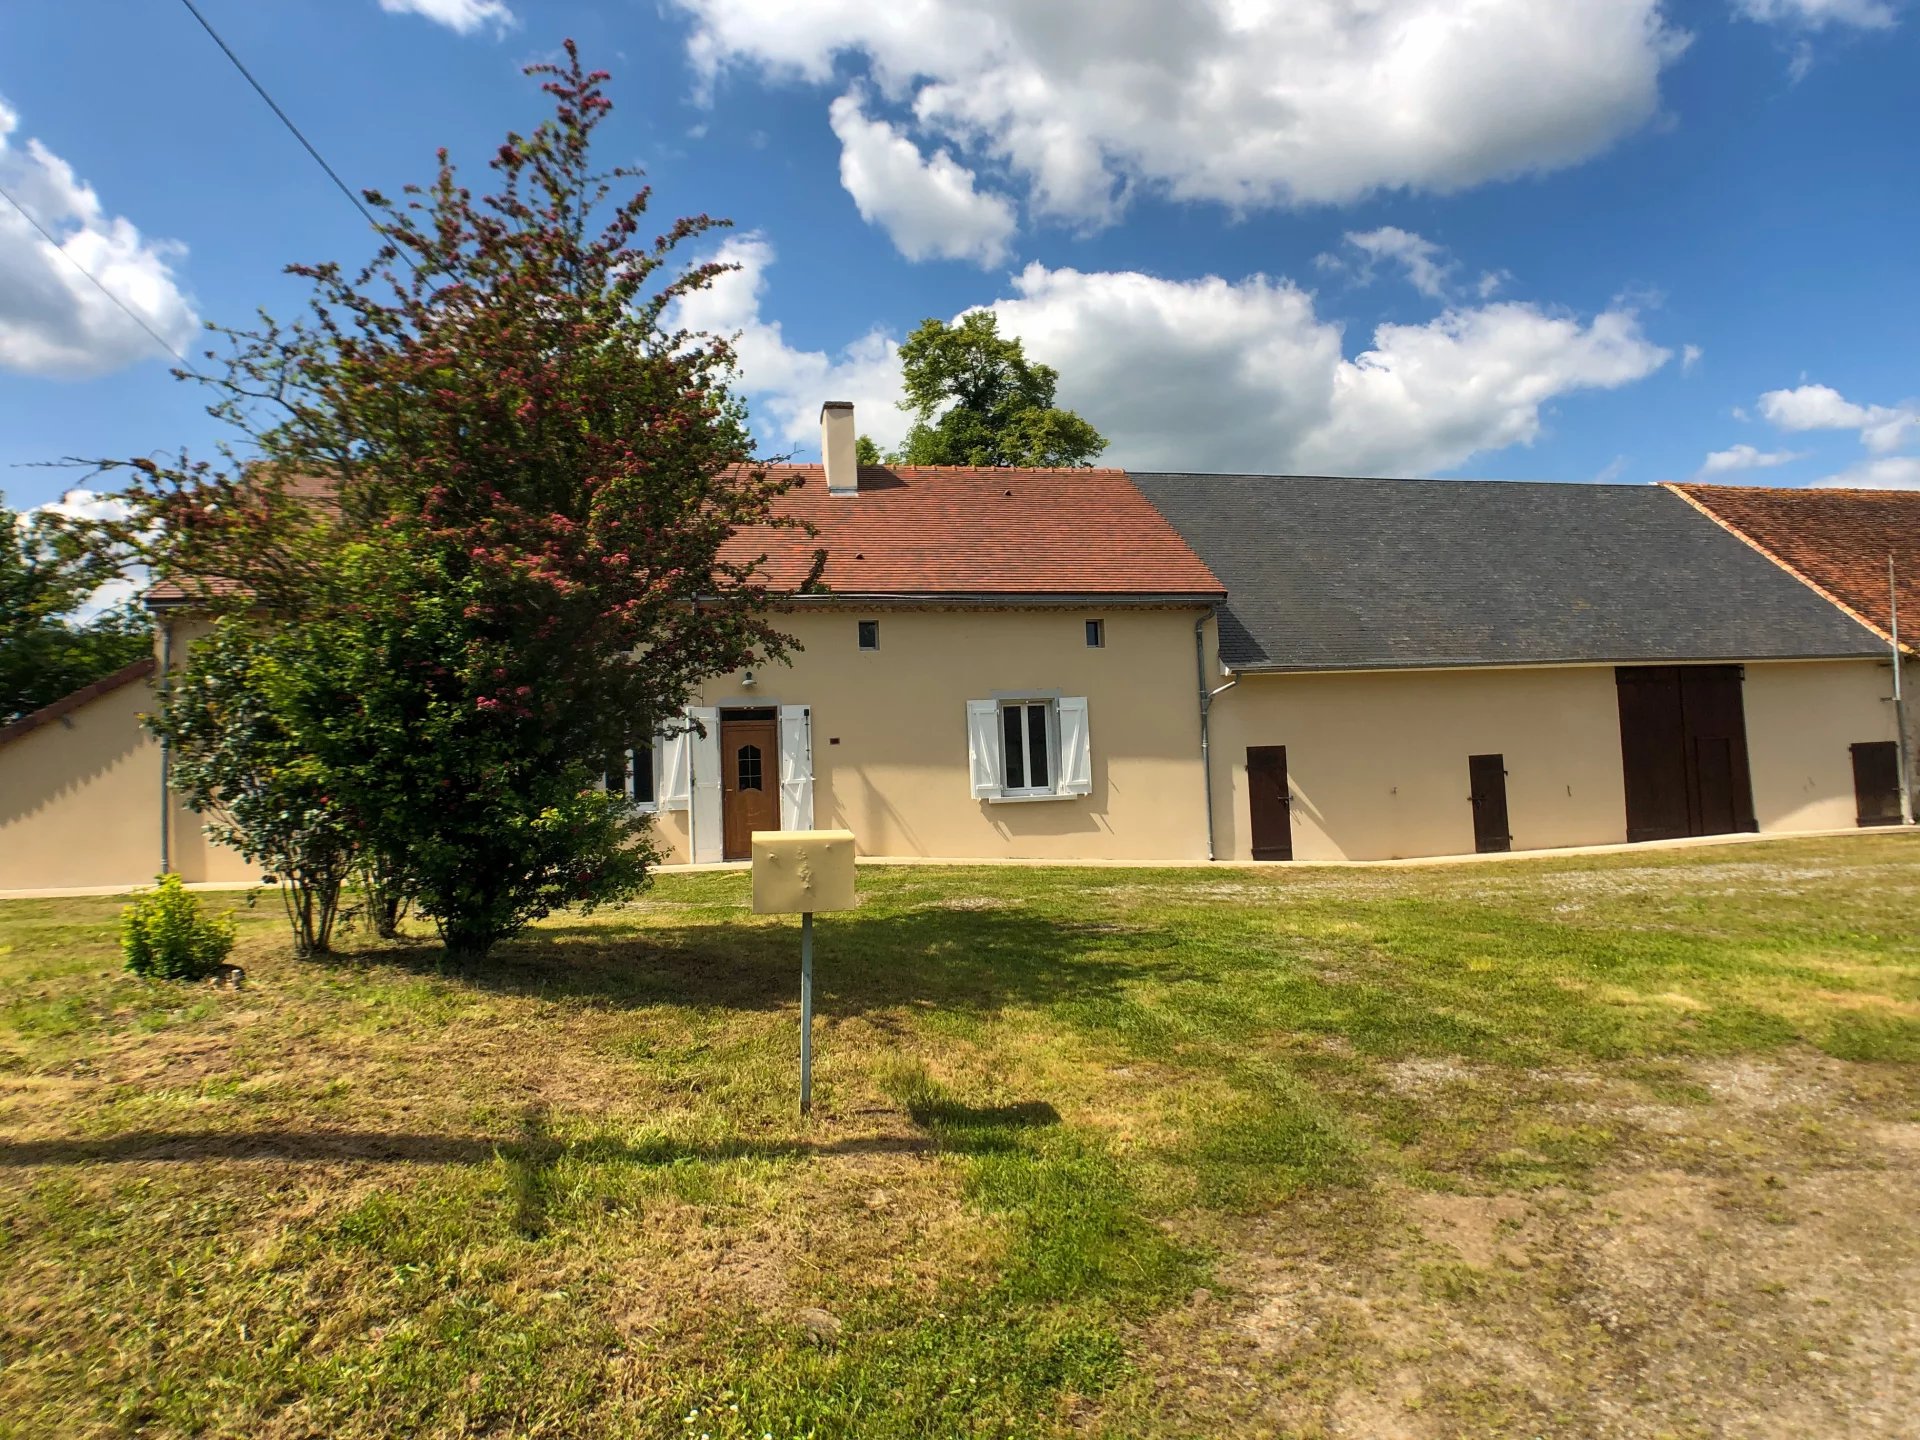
239, 760
978, 400
485, 525
47, 574
865, 452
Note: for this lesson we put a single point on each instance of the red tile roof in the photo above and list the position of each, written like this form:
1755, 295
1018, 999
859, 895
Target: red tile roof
1837, 541
956, 531
67, 704
978, 532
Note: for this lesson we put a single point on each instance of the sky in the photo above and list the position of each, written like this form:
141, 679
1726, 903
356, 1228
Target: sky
1577, 240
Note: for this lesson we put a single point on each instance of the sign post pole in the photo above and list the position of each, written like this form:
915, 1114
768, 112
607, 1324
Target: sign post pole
806, 1011
803, 872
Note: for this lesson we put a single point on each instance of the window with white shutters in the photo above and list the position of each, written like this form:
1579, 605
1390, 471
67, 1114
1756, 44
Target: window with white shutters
1029, 748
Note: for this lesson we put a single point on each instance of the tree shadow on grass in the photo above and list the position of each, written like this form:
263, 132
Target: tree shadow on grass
967, 960
534, 1148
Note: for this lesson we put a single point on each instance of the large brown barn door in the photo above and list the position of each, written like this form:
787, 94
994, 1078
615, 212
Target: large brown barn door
1270, 802
1876, 782
1487, 775
1683, 744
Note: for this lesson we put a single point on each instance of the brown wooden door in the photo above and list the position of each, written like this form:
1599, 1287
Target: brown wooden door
1876, 782
1683, 747
1720, 789
1653, 751
1487, 777
749, 782
1270, 802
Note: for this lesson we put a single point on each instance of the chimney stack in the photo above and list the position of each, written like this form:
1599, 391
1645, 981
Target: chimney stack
839, 448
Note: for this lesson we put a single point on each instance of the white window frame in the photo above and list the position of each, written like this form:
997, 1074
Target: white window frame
1069, 775
645, 807
1029, 791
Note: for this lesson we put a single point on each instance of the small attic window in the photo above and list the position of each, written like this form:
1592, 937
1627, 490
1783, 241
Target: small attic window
869, 634
1096, 634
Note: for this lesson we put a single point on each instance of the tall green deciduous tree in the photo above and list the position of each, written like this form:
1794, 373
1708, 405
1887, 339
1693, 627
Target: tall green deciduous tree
978, 400
47, 574
487, 512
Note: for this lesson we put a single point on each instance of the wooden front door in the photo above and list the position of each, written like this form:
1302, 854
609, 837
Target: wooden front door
1487, 779
1683, 745
749, 781
1270, 802
1876, 782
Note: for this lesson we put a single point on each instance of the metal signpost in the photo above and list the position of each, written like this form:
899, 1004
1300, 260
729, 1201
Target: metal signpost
803, 872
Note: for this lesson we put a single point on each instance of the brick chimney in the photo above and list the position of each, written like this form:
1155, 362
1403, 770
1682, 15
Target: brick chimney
839, 448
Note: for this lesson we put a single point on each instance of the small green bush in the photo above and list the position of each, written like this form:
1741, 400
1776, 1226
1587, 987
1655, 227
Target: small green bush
164, 934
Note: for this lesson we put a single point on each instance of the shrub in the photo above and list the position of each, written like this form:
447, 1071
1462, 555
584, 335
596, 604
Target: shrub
164, 934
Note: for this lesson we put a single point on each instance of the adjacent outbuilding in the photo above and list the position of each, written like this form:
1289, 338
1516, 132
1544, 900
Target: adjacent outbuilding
1434, 667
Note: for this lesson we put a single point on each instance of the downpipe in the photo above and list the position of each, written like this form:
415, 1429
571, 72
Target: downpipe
1207, 697
166, 753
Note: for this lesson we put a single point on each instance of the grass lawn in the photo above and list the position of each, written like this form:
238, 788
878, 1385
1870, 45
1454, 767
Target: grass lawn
1622, 1146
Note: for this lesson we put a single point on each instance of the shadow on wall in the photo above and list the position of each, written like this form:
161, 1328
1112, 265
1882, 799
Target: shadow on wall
59, 760
938, 957
847, 787
1078, 815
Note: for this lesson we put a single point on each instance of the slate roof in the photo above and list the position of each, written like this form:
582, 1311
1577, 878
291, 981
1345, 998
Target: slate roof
1837, 541
960, 531
1376, 574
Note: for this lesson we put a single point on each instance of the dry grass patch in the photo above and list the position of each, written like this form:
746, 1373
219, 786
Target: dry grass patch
1620, 1146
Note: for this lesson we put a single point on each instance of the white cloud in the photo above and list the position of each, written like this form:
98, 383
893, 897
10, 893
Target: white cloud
1747, 457
787, 385
1428, 266
929, 208
1894, 472
1248, 104
1690, 357
1212, 374
85, 504
1818, 14
1883, 428
465, 16
53, 320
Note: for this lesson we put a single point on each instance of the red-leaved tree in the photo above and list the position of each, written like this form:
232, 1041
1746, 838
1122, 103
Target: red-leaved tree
477, 518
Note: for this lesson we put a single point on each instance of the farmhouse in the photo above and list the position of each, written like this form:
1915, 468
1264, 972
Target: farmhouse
1088, 664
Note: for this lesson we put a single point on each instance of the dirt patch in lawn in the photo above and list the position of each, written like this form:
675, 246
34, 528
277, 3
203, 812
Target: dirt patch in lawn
1722, 1279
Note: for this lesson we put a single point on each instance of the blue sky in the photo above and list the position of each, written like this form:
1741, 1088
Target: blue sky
1552, 239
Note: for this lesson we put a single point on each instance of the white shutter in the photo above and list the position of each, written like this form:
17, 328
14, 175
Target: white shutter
709, 843
1076, 751
796, 768
983, 748
671, 755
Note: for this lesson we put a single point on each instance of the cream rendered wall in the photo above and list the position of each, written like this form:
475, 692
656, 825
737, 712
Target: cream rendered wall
80, 804
1802, 719
897, 776
80, 798
1378, 761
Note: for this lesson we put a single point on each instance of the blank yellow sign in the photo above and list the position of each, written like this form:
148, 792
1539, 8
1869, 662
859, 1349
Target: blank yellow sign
802, 871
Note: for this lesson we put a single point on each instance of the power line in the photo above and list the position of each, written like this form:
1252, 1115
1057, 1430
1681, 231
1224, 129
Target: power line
125, 309
292, 128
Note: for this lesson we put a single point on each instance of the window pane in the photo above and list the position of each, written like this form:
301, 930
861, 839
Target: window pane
869, 634
749, 767
1013, 753
1039, 773
641, 758
1096, 633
